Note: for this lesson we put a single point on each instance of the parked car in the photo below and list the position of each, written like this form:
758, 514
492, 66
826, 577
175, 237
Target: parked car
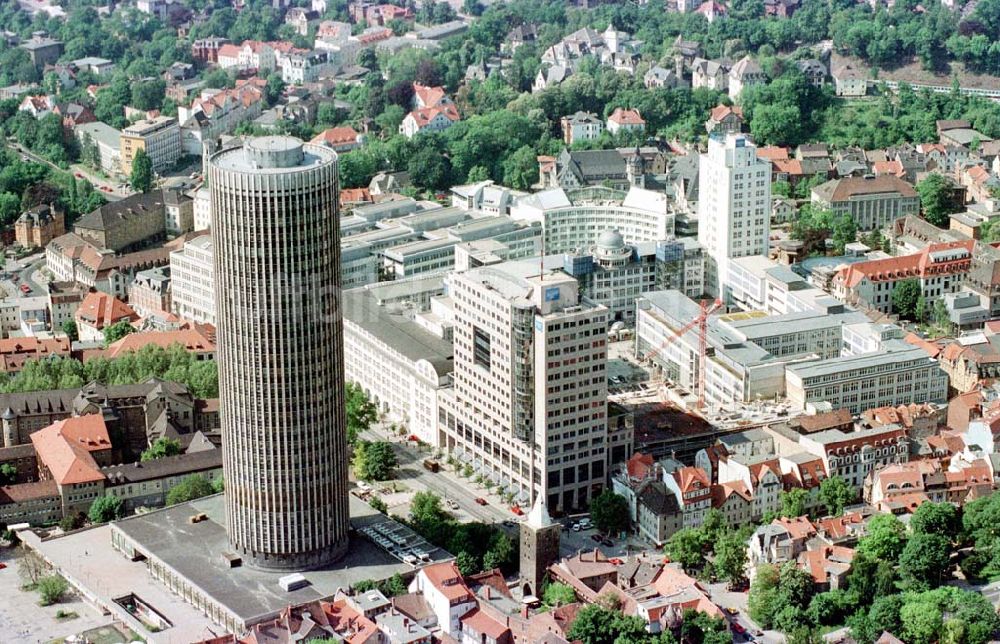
738, 628
452, 504
732, 611
616, 561
25, 289
575, 527
608, 542
596, 537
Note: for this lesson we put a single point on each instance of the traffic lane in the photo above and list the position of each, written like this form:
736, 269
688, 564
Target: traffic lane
410, 469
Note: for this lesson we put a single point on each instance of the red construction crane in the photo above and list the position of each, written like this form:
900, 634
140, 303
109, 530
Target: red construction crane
701, 322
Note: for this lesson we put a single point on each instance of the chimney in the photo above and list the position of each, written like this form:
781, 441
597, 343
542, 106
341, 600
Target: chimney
524, 611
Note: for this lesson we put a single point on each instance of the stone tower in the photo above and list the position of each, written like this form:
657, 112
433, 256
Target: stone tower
539, 546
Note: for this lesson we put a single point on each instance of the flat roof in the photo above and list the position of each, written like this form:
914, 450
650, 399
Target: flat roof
397, 330
194, 551
894, 352
101, 133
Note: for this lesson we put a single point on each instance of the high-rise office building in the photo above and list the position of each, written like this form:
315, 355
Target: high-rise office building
281, 372
528, 410
734, 205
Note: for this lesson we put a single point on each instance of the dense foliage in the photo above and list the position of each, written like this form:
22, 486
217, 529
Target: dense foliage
173, 363
476, 546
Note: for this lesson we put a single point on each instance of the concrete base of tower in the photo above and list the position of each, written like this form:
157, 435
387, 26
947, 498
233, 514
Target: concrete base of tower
293, 562
179, 562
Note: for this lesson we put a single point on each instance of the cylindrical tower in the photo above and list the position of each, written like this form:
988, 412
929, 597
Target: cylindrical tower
281, 365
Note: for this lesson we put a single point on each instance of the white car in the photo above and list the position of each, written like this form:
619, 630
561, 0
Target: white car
575, 527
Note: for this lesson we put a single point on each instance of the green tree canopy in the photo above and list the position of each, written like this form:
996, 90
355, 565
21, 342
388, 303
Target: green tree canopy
106, 508
937, 199
834, 494
141, 178
558, 594
906, 297
361, 412
192, 487
609, 512
160, 448
374, 461
884, 538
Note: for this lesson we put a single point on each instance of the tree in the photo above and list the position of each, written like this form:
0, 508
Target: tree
430, 169
558, 594
8, 474
141, 178
605, 624
765, 600
609, 512
792, 503
467, 563
905, 298
426, 512
731, 556
192, 487
374, 461
835, 493
106, 508
686, 547
378, 505
520, 169
274, 88
845, 231
70, 329
161, 448
30, 566
361, 412
936, 518
924, 560
884, 538
51, 589
500, 554
937, 199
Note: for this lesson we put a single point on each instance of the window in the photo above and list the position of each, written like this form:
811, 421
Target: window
481, 348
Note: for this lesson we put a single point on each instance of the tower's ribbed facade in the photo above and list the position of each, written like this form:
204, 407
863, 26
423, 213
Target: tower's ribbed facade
281, 376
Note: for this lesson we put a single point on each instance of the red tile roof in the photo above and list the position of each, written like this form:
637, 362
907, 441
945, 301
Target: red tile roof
905, 266
447, 579
482, 624
65, 448
772, 153
429, 96
101, 310
626, 117
720, 112
640, 465
424, 115
335, 136
191, 339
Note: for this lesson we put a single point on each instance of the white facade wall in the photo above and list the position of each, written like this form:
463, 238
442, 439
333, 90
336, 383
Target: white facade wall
734, 205
192, 281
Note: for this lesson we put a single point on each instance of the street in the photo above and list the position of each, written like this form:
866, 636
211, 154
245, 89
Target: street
26, 271
78, 170
448, 485
727, 599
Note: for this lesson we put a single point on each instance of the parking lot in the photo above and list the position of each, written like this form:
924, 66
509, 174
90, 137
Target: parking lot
401, 542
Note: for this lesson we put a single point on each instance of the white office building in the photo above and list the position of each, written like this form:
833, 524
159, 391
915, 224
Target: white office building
898, 374
192, 281
747, 353
573, 220
734, 205
528, 409
400, 351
